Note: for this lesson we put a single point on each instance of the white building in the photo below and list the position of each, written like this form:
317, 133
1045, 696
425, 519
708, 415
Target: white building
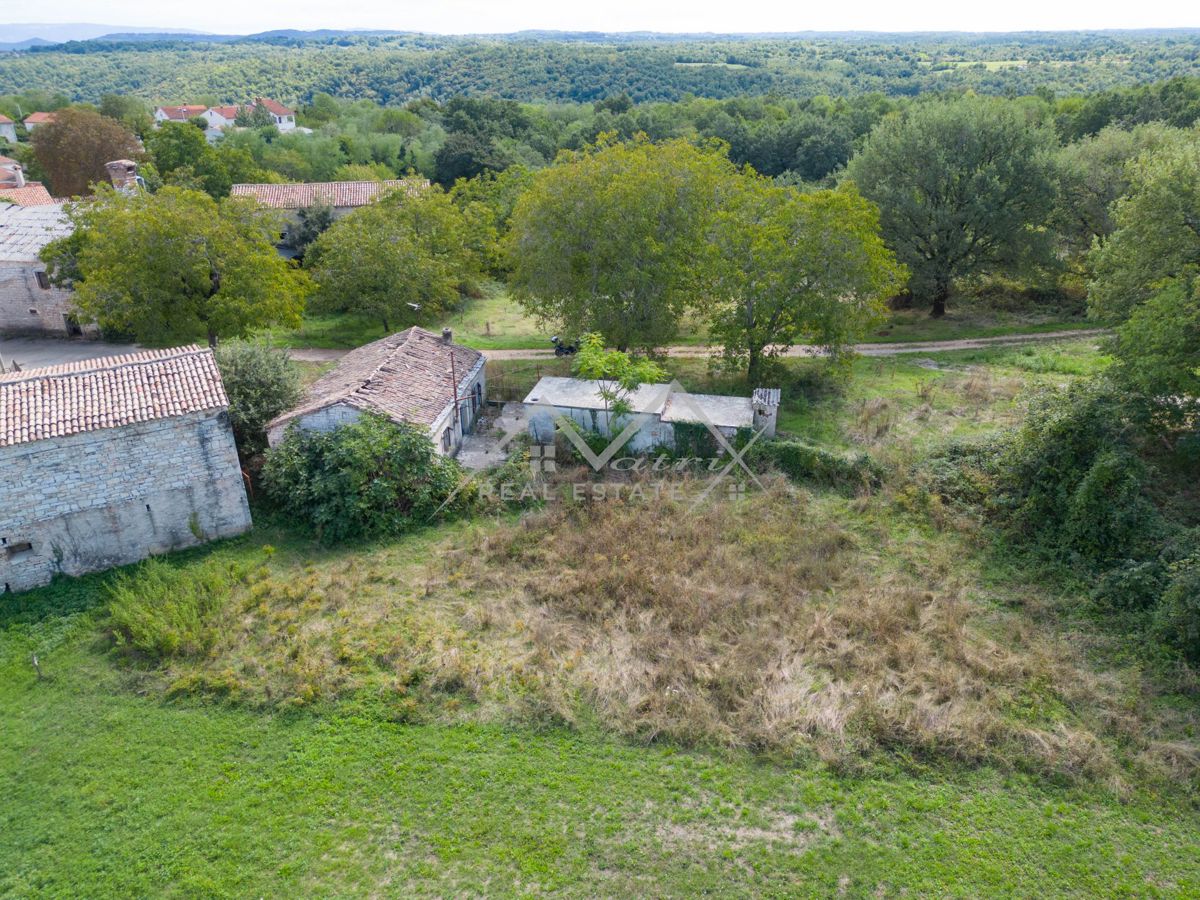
412, 377
656, 408
8, 129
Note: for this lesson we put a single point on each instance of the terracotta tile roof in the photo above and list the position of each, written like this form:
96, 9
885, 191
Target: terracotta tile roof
226, 112
331, 193
274, 107
5, 120
40, 118
25, 230
181, 113
406, 377
109, 392
8, 160
34, 193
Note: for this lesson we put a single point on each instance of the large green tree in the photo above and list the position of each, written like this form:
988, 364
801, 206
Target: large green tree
1157, 231
74, 148
792, 267
177, 265
399, 260
964, 187
610, 239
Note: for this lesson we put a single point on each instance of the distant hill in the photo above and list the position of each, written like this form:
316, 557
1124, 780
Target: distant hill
23, 33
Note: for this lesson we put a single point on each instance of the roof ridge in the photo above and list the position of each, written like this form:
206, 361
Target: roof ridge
97, 364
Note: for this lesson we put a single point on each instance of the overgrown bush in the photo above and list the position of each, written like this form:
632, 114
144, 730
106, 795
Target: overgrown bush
370, 478
261, 383
801, 461
160, 611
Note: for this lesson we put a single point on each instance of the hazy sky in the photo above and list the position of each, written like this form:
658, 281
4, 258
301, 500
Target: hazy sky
467, 16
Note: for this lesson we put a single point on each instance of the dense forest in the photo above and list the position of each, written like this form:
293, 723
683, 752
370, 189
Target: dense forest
583, 68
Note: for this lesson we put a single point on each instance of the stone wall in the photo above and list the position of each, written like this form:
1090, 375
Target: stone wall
27, 307
115, 496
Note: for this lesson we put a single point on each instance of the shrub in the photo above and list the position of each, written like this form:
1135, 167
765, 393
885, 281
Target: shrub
161, 611
1177, 618
368, 479
801, 461
261, 383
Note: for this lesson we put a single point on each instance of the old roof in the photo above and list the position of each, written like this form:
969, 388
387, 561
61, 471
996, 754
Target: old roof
330, 193
33, 193
109, 392
181, 113
274, 106
40, 118
670, 404
408, 377
25, 230
5, 120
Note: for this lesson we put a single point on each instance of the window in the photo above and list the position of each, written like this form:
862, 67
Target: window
43, 279
447, 440
33, 311
19, 549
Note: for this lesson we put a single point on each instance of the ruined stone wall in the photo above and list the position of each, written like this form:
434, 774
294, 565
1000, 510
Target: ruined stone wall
105, 498
27, 307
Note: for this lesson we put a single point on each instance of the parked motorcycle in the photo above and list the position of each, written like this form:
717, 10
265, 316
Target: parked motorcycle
562, 348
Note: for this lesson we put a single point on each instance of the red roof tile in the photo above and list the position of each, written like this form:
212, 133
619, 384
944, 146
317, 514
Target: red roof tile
109, 392
40, 118
274, 107
5, 120
408, 377
181, 113
34, 193
331, 193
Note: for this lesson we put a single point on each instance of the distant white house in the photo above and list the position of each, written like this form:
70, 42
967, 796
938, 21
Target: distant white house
33, 120
657, 408
220, 118
8, 129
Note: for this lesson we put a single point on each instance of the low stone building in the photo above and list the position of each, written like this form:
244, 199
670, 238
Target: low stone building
111, 460
29, 303
413, 377
656, 408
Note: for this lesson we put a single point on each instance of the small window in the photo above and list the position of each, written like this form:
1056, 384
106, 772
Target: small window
33, 311
43, 279
447, 439
18, 549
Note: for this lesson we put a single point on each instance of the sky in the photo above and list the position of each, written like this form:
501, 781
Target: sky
482, 16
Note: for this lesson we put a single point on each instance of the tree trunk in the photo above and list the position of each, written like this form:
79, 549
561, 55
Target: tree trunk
754, 367
939, 301
212, 338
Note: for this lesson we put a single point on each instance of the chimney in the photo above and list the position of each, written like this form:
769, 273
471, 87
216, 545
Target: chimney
16, 174
765, 403
447, 335
123, 174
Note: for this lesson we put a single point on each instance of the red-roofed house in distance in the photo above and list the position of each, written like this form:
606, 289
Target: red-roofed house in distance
111, 460
8, 129
184, 113
33, 120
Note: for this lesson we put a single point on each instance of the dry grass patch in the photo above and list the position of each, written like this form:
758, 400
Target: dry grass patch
788, 624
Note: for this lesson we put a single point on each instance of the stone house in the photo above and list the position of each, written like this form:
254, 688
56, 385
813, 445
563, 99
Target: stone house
412, 377
111, 460
656, 408
8, 129
29, 303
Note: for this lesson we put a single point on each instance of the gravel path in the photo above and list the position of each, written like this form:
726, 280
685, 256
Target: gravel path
33, 353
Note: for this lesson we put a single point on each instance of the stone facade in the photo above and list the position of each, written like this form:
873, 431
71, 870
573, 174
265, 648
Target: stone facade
105, 498
27, 307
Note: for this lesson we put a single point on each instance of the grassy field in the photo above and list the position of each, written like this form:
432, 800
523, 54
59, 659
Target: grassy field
809, 692
495, 322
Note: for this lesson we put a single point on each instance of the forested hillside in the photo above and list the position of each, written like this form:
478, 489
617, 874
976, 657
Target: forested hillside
585, 68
